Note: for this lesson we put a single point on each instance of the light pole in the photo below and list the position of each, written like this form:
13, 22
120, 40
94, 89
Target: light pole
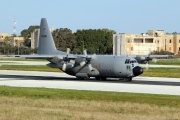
18, 47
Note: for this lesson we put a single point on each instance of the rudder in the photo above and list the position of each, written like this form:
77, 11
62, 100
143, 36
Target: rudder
46, 42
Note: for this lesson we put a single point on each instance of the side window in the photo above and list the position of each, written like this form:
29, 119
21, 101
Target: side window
128, 67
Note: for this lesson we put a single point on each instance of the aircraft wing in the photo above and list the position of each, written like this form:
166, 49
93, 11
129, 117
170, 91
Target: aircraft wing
41, 56
145, 58
154, 56
160, 56
34, 56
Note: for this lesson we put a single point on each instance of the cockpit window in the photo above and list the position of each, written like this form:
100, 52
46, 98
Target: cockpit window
133, 61
127, 61
130, 61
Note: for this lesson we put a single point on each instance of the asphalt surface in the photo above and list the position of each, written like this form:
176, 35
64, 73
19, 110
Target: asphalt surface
4, 62
150, 85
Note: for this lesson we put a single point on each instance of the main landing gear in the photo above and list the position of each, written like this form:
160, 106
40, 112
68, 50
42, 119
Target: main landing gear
83, 78
128, 79
100, 78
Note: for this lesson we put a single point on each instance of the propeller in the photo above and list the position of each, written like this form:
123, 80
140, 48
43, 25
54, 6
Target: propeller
66, 60
148, 59
88, 60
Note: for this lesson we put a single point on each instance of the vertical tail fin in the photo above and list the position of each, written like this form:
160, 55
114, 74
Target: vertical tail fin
46, 42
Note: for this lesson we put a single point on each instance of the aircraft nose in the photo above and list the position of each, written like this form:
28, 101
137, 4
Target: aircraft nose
137, 71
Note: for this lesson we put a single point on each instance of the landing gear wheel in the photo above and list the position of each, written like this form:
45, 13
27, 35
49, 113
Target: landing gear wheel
87, 77
100, 78
129, 79
103, 78
97, 78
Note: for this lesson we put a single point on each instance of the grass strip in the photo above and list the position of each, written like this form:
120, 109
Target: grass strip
39, 93
162, 72
19, 59
166, 62
29, 68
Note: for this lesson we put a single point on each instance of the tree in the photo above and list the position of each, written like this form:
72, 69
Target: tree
97, 40
26, 33
64, 38
7, 40
27, 43
162, 52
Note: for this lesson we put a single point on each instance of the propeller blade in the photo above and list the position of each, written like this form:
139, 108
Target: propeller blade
59, 57
149, 52
64, 67
154, 60
68, 50
72, 61
90, 67
93, 56
85, 52
82, 63
147, 65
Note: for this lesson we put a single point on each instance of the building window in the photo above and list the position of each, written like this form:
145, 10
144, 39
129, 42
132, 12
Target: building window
169, 48
179, 41
128, 40
157, 48
131, 48
170, 41
179, 48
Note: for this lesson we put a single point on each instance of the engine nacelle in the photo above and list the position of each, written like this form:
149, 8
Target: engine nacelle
53, 65
82, 75
79, 60
56, 59
142, 59
93, 73
69, 65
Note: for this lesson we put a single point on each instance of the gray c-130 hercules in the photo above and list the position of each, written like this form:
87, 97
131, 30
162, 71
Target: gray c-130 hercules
84, 66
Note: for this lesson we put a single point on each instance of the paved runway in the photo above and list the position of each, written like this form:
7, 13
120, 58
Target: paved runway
151, 85
4, 62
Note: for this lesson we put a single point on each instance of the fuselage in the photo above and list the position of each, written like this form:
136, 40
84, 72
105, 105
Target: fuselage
108, 66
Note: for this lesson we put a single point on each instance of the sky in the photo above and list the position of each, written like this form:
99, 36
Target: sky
123, 16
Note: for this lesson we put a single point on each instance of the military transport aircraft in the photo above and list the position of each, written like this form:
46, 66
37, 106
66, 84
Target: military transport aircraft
84, 66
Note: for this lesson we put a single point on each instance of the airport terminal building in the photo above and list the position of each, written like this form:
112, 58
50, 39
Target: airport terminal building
153, 40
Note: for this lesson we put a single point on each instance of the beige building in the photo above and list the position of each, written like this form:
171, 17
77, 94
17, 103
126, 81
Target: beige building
17, 41
14, 41
2, 37
153, 40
